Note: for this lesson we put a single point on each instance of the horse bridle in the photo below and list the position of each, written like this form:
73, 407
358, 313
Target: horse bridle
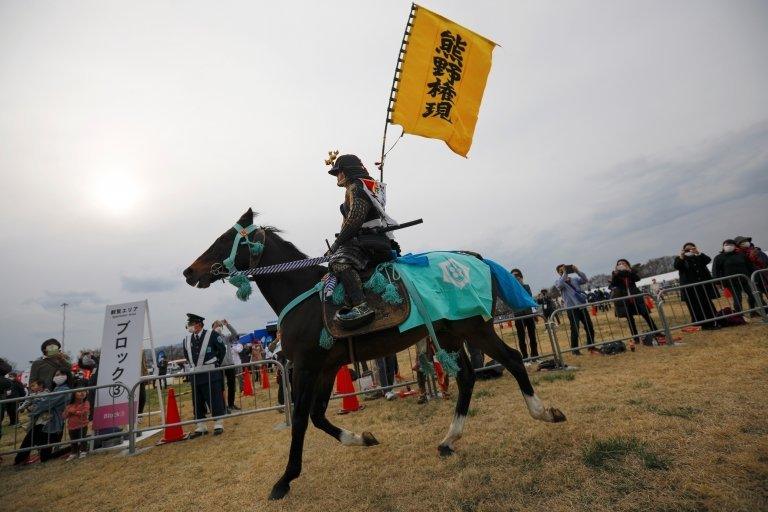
255, 248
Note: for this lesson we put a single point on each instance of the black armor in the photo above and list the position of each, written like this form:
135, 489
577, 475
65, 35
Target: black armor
353, 248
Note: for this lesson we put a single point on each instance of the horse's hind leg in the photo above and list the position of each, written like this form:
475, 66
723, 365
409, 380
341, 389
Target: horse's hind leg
304, 386
489, 342
320, 420
465, 380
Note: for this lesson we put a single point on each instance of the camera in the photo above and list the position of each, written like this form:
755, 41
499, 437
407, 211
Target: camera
569, 269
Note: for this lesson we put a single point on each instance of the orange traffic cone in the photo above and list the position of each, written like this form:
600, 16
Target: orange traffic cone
343, 386
247, 382
264, 377
172, 433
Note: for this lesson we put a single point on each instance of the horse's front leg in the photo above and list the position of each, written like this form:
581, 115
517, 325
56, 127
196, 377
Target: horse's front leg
319, 419
304, 385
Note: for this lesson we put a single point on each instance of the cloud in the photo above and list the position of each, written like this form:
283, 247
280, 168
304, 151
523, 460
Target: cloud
148, 284
86, 300
649, 207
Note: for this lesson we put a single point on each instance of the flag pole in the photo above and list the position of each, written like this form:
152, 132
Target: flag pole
393, 91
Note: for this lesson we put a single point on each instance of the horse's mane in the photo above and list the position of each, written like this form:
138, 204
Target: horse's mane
276, 231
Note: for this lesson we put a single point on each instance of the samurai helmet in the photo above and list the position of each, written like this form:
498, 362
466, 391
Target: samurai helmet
351, 165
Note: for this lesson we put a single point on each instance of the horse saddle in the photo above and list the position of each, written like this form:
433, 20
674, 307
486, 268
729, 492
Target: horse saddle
387, 315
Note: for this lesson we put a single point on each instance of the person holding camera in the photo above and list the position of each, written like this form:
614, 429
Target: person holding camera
624, 284
691, 265
569, 282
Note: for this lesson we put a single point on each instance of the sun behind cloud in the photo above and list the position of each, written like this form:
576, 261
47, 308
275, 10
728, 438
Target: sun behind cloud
116, 194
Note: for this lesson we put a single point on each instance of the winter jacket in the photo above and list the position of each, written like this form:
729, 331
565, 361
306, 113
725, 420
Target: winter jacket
693, 269
731, 264
622, 285
45, 368
54, 406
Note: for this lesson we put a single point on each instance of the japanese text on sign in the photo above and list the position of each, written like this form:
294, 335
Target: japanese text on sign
448, 64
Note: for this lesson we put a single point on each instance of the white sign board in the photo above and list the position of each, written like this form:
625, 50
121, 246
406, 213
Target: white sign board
122, 347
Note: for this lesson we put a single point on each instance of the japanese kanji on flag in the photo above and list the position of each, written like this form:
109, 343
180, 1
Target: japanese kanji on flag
441, 83
122, 345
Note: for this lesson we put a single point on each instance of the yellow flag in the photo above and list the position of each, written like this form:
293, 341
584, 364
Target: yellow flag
442, 79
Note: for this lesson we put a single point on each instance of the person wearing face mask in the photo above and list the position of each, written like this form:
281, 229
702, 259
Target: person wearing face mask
757, 258
526, 324
732, 263
53, 359
231, 341
623, 281
205, 350
89, 363
691, 266
46, 420
569, 282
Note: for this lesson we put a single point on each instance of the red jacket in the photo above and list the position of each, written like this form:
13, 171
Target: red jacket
77, 414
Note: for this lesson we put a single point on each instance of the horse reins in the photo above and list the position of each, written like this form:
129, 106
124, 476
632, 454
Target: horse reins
228, 269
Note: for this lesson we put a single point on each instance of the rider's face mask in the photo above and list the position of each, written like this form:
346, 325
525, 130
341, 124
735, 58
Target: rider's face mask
191, 329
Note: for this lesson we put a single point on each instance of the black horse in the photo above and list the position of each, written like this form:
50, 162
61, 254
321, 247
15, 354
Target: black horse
315, 368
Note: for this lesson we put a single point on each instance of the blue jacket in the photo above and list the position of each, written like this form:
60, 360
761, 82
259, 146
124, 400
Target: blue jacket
55, 406
570, 288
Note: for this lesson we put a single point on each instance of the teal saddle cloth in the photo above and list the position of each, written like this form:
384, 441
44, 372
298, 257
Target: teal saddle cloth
449, 286
452, 286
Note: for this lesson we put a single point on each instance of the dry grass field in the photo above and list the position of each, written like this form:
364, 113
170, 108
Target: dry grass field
661, 429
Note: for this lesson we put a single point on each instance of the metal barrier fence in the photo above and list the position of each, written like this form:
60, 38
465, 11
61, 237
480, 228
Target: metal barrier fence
525, 334
704, 303
30, 441
383, 374
132, 430
136, 431
602, 325
760, 289
700, 299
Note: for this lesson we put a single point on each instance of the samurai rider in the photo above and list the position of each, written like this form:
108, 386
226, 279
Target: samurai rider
359, 242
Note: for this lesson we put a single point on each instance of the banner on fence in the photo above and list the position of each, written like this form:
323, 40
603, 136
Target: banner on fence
121, 351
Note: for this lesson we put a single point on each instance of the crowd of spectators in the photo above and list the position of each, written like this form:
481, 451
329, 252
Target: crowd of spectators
48, 415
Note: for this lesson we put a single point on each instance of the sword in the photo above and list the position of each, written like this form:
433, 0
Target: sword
380, 230
398, 226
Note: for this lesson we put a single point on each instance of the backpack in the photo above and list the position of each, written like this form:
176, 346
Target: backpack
612, 348
731, 321
547, 365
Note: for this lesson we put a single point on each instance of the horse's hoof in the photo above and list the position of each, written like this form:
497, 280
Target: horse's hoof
279, 491
445, 451
557, 415
369, 440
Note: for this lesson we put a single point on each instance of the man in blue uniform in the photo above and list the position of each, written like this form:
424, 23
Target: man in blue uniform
205, 350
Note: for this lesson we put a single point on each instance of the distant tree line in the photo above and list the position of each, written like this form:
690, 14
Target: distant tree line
652, 267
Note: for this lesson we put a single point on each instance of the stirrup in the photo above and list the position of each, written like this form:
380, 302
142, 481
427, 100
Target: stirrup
355, 317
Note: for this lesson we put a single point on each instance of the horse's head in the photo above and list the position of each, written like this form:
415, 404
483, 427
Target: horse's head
235, 249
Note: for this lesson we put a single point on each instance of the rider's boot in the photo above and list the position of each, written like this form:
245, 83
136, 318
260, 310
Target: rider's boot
360, 313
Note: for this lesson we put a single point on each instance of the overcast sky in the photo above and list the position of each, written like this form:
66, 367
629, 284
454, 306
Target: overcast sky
132, 134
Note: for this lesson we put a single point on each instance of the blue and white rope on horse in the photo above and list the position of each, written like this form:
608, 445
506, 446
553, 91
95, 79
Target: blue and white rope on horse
287, 266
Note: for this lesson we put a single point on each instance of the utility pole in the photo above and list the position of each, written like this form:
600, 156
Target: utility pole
63, 322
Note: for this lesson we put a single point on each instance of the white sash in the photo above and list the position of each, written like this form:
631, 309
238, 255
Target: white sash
379, 201
200, 363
